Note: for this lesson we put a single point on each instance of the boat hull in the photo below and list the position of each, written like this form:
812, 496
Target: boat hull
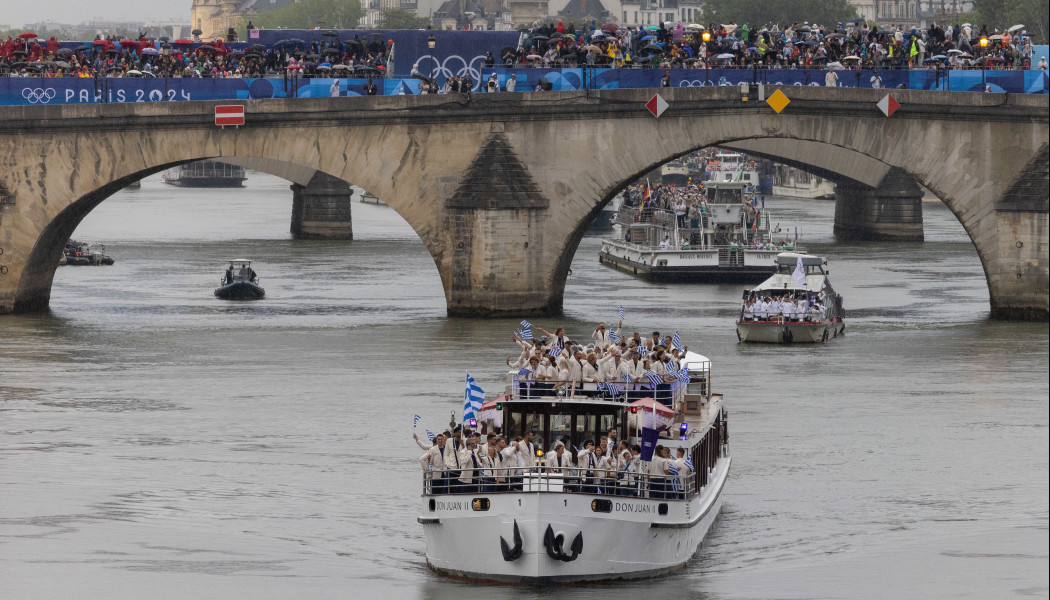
240, 290
630, 542
206, 182
777, 332
686, 273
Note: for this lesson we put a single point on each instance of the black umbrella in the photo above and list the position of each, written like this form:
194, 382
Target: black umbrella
196, 32
252, 55
857, 20
164, 38
508, 53
257, 48
652, 49
61, 64
365, 69
83, 48
313, 56
63, 52
329, 34
540, 38
331, 51
289, 42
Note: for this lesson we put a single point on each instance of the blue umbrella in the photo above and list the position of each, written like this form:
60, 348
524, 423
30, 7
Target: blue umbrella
324, 65
648, 37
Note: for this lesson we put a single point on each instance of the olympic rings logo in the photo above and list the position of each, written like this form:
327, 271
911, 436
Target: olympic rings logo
39, 95
454, 65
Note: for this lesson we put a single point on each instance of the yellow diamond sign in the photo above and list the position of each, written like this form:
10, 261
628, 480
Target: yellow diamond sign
777, 101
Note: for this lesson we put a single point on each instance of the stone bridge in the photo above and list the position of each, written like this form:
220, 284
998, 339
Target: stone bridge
501, 187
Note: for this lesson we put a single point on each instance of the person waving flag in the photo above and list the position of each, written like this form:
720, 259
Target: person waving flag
473, 398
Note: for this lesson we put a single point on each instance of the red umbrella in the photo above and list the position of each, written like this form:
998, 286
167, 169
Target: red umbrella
127, 43
182, 41
99, 43
27, 35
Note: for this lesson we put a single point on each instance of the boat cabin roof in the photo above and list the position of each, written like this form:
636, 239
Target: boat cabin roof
240, 261
791, 259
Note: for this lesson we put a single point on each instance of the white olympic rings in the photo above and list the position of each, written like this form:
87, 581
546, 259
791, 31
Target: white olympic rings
39, 95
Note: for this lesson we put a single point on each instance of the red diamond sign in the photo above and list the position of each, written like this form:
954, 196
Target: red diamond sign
656, 105
888, 105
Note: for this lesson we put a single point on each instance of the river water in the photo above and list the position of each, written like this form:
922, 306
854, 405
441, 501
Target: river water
156, 442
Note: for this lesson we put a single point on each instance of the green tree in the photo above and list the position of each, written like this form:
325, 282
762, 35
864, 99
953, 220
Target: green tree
1003, 14
825, 12
304, 14
396, 18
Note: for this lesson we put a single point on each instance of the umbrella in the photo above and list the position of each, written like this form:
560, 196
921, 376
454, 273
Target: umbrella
289, 41
965, 55
252, 55
648, 37
128, 43
694, 27
196, 32
99, 43
27, 35
35, 65
857, 20
63, 52
610, 27
818, 58
805, 29
598, 34
365, 69
112, 51
1015, 28
995, 59
324, 67
996, 37
257, 48
653, 49
534, 57
836, 65
150, 51
329, 34
309, 64
182, 41
939, 57
652, 28
851, 57
811, 43
134, 73
164, 38
331, 51
724, 56
83, 48
592, 48
341, 67
508, 53
313, 56
21, 52
208, 48
954, 51
540, 38
648, 406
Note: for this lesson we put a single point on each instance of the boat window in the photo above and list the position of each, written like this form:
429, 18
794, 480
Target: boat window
534, 422
607, 423
560, 426
513, 424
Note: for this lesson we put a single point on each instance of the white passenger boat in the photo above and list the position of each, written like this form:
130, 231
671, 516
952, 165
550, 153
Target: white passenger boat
729, 167
732, 242
544, 525
804, 279
206, 173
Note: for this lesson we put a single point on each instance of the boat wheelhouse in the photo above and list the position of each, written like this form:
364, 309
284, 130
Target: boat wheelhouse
727, 167
802, 279
731, 242
552, 524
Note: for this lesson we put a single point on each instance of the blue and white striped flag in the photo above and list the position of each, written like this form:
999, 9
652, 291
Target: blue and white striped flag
654, 377
615, 338
525, 334
677, 342
683, 375
671, 370
602, 387
554, 352
415, 421
621, 313
525, 324
431, 435
673, 471
625, 378
689, 463
524, 372
473, 398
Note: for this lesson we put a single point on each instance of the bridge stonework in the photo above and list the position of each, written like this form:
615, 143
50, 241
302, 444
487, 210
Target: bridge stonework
501, 187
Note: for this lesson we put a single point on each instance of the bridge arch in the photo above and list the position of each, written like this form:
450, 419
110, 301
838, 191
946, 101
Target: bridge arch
500, 186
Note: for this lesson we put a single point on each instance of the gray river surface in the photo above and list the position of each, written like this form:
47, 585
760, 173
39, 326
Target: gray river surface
156, 442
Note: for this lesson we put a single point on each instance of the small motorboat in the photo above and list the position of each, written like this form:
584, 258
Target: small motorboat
80, 254
240, 282
796, 305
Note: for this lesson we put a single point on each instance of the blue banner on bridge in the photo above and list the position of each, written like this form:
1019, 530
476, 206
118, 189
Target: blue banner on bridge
35, 91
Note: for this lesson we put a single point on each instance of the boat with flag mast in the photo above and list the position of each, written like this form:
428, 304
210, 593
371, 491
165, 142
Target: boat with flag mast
797, 304
548, 509
732, 242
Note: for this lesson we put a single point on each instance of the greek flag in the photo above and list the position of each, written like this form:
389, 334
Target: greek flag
673, 471
621, 313
615, 338
431, 435
689, 463
683, 376
677, 342
554, 352
625, 378
654, 377
524, 372
525, 324
671, 370
473, 398
415, 421
602, 387
525, 334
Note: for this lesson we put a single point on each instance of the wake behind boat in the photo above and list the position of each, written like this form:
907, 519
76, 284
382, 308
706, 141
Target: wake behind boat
796, 305
546, 505
240, 282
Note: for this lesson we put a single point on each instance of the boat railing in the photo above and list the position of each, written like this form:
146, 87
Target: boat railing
609, 480
668, 393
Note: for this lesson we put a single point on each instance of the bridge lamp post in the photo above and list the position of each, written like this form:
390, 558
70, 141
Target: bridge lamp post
706, 36
984, 65
431, 43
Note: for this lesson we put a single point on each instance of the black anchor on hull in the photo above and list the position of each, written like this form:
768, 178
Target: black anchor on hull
553, 546
510, 554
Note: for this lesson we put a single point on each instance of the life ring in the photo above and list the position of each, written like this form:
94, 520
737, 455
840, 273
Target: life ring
788, 336
825, 337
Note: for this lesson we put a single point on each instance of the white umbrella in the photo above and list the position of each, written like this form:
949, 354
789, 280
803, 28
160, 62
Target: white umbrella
955, 51
1015, 28
724, 56
836, 65
851, 58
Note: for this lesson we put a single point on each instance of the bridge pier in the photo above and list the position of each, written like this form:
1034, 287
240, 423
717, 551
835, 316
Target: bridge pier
892, 211
321, 209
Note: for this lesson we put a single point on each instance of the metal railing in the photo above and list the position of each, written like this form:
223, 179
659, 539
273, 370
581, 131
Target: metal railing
669, 393
568, 480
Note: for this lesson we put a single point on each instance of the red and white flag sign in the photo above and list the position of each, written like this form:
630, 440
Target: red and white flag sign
888, 105
230, 114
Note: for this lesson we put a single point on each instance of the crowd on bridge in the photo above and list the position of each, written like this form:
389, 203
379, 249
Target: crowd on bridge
852, 45
358, 56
